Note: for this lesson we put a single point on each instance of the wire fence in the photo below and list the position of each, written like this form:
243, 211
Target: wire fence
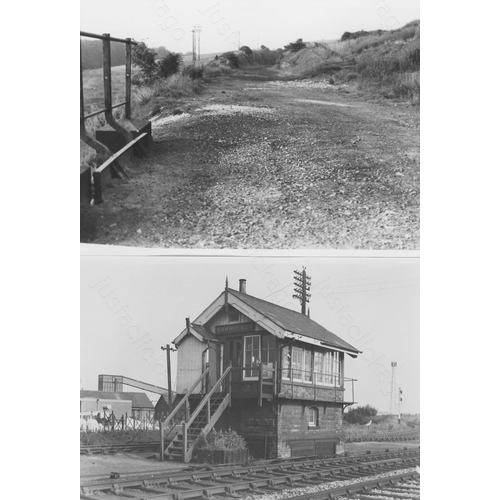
109, 422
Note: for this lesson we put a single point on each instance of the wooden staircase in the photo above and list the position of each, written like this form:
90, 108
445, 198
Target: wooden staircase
192, 417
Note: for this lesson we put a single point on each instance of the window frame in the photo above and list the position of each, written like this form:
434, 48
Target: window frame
250, 368
314, 412
325, 368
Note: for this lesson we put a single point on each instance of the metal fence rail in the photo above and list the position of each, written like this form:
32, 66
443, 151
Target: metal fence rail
102, 150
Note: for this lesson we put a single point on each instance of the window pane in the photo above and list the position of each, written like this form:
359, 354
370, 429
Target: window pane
297, 359
308, 360
328, 368
252, 355
268, 355
286, 362
313, 417
318, 367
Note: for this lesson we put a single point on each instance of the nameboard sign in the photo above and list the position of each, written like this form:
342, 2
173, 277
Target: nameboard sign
236, 328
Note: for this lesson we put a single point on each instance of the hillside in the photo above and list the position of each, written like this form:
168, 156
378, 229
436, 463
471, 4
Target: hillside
382, 62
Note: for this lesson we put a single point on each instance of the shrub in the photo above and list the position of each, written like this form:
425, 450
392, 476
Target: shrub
247, 50
169, 65
232, 59
295, 46
360, 415
193, 71
221, 441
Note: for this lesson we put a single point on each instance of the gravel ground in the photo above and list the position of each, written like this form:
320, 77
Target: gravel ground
326, 486
289, 165
101, 466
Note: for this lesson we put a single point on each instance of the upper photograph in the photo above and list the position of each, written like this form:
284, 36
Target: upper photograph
249, 124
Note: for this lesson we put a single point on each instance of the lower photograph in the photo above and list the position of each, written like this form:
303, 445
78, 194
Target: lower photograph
249, 375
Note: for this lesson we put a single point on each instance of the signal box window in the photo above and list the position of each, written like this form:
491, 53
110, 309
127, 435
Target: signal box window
252, 357
313, 417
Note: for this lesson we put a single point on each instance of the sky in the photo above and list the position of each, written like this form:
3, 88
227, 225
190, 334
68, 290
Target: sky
372, 303
272, 23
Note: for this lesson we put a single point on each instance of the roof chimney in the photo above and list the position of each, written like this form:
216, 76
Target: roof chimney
243, 286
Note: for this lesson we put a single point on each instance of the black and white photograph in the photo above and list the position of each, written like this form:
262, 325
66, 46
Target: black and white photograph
249, 249
264, 367
250, 124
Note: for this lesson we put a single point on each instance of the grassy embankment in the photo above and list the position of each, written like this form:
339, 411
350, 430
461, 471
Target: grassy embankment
380, 424
385, 63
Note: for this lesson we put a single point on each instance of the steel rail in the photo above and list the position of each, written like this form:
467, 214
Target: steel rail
360, 487
230, 480
109, 448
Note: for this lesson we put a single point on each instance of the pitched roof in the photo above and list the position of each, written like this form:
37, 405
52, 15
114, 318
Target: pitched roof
139, 399
293, 321
203, 332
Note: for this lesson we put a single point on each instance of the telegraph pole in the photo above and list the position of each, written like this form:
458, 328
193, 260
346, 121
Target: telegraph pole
400, 398
393, 401
169, 375
302, 287
196, 42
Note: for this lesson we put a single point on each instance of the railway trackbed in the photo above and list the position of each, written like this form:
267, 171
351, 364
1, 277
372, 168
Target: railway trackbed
233, 481
118, 448
409, 435
397, 486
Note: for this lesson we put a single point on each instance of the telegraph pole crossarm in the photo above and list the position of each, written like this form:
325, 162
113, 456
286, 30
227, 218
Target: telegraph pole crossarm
302, 288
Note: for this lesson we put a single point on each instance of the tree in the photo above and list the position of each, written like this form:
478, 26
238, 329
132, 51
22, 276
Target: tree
144, 58
360, 415
169, 65
162, 52
247, 50
296, 46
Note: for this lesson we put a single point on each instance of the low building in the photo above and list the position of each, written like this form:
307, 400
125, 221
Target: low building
162, 408
131, 404
278, 376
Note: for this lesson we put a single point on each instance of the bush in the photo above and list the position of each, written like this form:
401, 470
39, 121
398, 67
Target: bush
295, 46
358, 34
360, 415
232, 59
221, 441
169, 65
193, 71
247, 50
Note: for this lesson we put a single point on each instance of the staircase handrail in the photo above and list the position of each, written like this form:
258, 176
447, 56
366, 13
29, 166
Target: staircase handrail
203, 402
184, 399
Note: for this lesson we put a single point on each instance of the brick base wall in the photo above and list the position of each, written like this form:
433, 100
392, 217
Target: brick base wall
296, 438
281, 430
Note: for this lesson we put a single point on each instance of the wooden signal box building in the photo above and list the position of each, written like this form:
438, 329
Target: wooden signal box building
271, 374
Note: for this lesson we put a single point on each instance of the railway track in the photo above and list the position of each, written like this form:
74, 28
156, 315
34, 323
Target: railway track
118, 448
404, 485
210, 482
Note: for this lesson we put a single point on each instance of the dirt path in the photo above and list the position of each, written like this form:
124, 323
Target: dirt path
258, 162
